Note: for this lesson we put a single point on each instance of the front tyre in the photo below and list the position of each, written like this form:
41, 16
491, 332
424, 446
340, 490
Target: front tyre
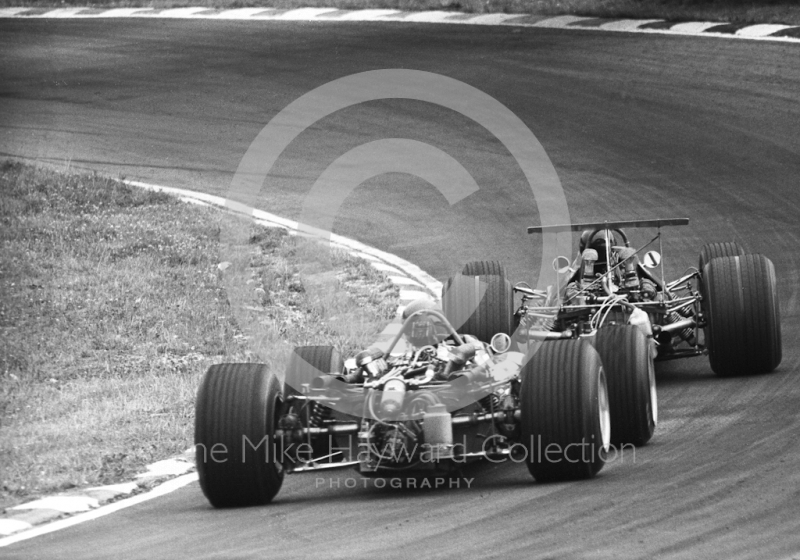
566, 424
479, 305
305, 364
743, 328
235, 450
630, 373
308, 362
484, 268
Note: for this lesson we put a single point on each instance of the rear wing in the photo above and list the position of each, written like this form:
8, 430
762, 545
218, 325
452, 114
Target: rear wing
610, 225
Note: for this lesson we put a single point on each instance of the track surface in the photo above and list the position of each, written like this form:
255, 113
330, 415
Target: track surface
637, 126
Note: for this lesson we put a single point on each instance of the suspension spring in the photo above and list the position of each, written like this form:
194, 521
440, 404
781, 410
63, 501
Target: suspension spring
685, 334
678, 315
528, 321
490, 402
319, 413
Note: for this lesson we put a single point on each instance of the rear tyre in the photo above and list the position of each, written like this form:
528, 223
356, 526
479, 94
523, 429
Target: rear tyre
484, 268
565, 411
714, 250
743, 330
630, 374
235, 419
479, 305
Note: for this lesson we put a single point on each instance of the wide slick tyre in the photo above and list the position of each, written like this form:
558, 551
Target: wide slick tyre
630, 375
235, 419
479, 305
719, 249
565, 422
306, 363
484, 268
743, 329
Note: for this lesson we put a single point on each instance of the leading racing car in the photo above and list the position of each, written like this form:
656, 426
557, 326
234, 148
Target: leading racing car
615, 296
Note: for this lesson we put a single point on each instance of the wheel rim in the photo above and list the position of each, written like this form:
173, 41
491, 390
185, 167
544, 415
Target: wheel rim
651, 374
277, 409
604, 410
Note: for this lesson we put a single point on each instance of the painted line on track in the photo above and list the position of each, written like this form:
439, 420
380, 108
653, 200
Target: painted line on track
388, 261
163, 489
757, 32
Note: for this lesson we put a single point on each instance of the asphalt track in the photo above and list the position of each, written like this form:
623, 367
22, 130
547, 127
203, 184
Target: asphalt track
636, 126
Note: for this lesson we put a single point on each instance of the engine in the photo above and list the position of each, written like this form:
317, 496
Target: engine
407, 421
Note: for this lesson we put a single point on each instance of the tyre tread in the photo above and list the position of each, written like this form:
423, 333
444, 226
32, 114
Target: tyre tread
718, 249
491, 314
306, 362
234, 401
556, 383
484, 268
743, 332
625, 355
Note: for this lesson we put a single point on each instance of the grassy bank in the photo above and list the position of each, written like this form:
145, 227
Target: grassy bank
113, 305
737, 11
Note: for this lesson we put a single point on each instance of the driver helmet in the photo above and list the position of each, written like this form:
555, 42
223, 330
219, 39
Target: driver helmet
627, 260
602, 240
422, 329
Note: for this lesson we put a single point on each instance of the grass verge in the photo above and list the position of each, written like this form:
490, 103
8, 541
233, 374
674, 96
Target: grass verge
113, 306
734, 11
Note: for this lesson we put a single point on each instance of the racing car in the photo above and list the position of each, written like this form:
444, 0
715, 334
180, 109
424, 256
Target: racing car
615, 296
434, 400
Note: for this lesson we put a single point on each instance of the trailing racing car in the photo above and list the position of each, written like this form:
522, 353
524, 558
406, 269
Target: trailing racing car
433, 401
614, 296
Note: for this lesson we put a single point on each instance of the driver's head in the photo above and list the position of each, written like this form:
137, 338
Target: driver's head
600, 242
628, 261
421, 331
